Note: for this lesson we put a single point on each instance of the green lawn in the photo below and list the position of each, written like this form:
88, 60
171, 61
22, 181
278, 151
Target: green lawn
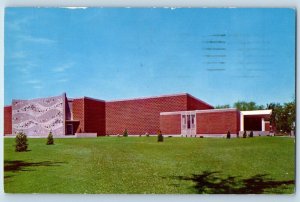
142, 165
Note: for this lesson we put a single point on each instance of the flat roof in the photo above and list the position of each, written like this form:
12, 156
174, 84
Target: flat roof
127, 99
148, 97
84, 97
33, 99
200, 100
200, 111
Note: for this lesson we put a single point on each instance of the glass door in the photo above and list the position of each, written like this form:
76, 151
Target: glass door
188, 123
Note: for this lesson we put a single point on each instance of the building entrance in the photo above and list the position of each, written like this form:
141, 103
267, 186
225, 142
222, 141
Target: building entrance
188, 123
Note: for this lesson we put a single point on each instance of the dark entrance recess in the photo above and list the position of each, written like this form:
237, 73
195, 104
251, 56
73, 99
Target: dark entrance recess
71, 127
252, 123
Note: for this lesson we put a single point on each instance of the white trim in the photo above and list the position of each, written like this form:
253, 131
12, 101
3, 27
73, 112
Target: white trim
200, 111
257, 112
216, 135
172, 113
254, 112
263, 124
241, 122
216, 110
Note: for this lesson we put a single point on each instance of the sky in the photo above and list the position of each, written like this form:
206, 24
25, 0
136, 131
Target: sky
220, 56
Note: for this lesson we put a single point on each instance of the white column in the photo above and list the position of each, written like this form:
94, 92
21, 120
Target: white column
263, 124
241, 122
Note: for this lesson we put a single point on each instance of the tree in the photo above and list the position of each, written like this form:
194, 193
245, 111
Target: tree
125, 134
21, 142
283, 117
228, 135
245, 134
290, 112
222, 106
50, 139
247, 106
160, 137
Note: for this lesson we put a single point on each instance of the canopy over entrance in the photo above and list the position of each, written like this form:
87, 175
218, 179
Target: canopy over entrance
255, 120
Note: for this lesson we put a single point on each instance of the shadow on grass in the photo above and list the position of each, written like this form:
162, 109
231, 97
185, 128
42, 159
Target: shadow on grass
212, 183
15, 166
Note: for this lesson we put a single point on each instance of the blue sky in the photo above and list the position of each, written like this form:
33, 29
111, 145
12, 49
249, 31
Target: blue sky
218, 55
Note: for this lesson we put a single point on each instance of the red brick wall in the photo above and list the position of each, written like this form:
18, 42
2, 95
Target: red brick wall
141, 116
7, 120
91, 114
218, 122
94, 116
78, 113
194, 104
170, 124
267, 126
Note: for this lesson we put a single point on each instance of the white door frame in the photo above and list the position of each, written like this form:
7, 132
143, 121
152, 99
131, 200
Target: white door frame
188, 123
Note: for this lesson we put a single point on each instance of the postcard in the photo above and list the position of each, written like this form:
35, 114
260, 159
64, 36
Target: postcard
149, 100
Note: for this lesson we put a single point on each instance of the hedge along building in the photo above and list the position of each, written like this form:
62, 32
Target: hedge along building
178, 114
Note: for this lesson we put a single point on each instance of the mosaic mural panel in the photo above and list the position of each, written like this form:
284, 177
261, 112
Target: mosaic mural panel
38, 117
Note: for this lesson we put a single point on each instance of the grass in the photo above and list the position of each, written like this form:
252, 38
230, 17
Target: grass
142, 165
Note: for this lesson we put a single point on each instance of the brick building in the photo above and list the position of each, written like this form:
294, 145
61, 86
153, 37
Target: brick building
179, 114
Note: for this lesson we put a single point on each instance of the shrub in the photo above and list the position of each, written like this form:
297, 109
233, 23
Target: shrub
201, 136
50, 139
160, 137
21, 142
228, 135
251, 134
147, 135
125, 134
244, 134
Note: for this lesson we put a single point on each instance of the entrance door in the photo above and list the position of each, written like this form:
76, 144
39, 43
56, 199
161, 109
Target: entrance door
70, 129
188, 124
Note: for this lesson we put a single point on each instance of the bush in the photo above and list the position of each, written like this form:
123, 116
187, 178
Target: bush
228, 135
251, 134
50, 139
244, 134
125, 134
160, 137
21, 142
147, 135
201, 137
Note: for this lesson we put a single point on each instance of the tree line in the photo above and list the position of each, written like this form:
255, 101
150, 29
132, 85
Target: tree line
283, 115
